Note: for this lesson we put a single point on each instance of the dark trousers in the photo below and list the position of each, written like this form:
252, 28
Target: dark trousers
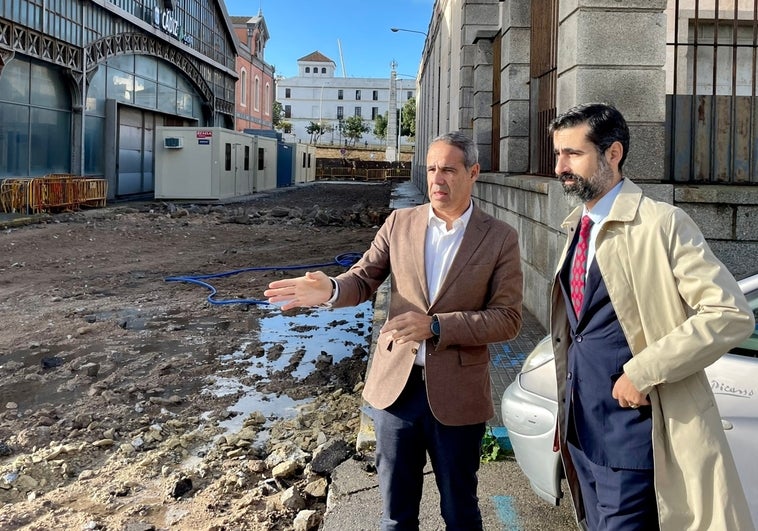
615, 499
405, 432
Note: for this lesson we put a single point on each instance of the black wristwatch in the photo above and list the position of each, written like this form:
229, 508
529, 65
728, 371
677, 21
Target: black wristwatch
435, 326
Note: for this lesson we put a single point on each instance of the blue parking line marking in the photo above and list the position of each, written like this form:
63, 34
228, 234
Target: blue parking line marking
501, 434
509, 359
506, 512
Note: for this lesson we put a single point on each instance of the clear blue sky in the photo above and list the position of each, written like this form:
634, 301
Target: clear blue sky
299, 27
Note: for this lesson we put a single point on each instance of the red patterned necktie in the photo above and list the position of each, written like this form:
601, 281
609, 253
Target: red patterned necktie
579, 268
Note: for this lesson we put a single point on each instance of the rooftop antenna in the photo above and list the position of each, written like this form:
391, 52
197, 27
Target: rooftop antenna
342, 61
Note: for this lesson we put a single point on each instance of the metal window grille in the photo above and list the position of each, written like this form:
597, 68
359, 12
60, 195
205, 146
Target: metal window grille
543, 74
711, 111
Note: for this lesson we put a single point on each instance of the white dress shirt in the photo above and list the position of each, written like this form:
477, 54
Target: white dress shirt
439, 251
598, 214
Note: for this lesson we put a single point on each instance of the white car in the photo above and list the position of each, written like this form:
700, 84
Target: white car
529, 409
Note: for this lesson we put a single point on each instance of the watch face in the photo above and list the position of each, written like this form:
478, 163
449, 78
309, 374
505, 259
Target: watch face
435, 327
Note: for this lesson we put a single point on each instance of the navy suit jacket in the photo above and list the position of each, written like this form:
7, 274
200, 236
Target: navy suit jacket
607, 433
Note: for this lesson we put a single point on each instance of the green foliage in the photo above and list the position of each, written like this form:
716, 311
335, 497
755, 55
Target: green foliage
276, 114
315, 129
276, 118
491, 448
353, 128
408, 125
380, 127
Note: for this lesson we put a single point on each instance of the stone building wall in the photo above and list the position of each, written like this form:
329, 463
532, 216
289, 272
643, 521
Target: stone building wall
536, 206
456, 77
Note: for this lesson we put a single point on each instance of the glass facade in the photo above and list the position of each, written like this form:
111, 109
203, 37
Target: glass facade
94, 159
198, 25
35, 121
135, 52
140, 81
144, 82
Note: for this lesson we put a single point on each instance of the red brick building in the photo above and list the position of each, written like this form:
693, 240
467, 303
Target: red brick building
255, 90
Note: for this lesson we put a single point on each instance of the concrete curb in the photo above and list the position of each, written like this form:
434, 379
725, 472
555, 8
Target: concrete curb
10, 221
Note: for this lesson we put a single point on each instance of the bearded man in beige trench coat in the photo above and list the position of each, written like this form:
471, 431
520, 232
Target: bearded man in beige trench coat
677, 309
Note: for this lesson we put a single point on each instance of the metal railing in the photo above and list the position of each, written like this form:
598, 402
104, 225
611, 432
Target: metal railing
711, 105
55, 192
544, 75
362, 174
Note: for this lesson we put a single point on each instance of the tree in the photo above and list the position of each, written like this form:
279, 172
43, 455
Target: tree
315, 129
353, 128
276, 114
408, 125
380, 127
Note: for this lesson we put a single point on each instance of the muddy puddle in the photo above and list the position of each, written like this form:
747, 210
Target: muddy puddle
295, 345
264, 374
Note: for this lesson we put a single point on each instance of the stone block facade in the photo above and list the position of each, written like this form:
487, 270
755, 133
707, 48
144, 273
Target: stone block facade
536, 206
606, 50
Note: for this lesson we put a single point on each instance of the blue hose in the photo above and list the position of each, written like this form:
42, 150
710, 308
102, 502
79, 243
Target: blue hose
344, 260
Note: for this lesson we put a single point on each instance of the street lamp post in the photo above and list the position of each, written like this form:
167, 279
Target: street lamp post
395, 30
398, 99
321, 104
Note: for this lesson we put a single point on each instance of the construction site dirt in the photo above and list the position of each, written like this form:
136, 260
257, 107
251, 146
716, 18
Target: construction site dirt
122, 393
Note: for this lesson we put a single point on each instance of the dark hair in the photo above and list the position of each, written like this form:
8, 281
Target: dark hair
462, 142
606, 125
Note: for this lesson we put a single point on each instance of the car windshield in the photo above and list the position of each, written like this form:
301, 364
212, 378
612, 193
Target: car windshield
750, 346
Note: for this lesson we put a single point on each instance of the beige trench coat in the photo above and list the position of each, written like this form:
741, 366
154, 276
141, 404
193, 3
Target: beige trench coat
680, 310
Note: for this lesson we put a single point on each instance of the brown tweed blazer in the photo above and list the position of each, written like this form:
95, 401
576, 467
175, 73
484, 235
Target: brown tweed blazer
478, 303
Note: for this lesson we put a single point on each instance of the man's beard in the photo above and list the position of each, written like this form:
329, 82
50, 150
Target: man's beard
588, 189
583, 189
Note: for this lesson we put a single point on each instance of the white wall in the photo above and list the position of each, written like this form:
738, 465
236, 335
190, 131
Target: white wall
315, 99
198, 169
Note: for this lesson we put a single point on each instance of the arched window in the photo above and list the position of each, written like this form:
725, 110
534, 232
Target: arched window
323, 70
243, 87
307, 69
35, 120
267, 100
257, 94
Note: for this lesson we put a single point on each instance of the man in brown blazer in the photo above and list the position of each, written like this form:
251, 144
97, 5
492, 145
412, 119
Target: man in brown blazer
456, 286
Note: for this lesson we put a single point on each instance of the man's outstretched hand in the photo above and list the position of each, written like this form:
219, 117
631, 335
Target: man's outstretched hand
312, 289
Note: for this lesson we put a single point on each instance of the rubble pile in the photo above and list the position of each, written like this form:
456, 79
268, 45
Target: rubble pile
282, 483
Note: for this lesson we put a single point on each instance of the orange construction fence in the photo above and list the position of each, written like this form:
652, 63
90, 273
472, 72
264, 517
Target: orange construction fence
363, 174
54, 192
13, 195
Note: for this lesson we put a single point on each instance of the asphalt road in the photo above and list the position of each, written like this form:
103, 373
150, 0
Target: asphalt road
506, 500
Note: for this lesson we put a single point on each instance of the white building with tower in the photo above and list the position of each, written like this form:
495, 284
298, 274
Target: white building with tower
318, 95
